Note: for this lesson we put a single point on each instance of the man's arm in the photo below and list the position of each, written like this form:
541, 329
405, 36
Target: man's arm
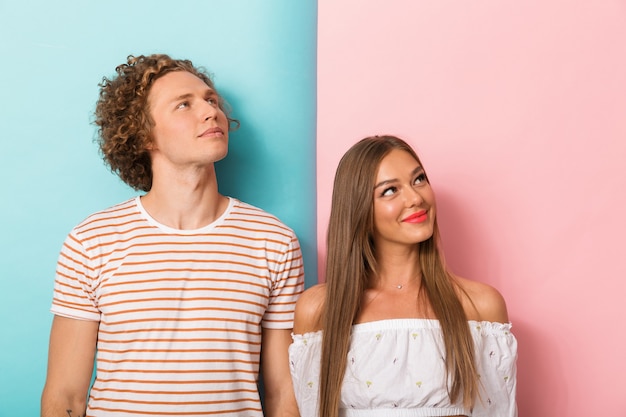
70, 366
279, 399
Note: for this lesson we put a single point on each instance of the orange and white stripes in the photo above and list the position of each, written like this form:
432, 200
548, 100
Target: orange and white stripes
180, 311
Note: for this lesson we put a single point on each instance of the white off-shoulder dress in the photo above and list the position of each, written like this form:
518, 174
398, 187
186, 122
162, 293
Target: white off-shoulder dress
396, 369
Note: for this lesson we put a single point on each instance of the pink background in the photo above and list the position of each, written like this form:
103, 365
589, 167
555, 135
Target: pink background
518, 109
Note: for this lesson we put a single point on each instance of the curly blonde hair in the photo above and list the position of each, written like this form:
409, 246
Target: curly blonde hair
123, 115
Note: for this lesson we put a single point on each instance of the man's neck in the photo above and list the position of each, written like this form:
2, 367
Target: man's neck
185, 202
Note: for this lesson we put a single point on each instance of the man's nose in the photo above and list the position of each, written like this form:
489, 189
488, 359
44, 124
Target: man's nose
208, 111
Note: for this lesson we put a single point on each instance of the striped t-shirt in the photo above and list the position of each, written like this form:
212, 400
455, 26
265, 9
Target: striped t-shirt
180, 311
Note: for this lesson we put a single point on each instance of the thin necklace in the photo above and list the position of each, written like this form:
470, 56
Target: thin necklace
400, 286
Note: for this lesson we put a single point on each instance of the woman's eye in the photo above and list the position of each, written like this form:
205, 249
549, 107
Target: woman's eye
420, 179
212, 101
388, 191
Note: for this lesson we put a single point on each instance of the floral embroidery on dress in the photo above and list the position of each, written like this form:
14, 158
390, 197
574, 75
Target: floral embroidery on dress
397, 354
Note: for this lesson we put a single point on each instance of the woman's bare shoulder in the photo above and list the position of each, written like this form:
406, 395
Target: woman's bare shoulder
482, 302
309, 310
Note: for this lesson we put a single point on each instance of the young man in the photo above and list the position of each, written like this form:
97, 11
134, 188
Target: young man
180, 294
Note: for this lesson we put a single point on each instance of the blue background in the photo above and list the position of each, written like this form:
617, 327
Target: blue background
54, 54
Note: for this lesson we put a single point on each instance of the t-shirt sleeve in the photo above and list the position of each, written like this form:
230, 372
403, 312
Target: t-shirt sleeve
496, 356
74, 294
287, 285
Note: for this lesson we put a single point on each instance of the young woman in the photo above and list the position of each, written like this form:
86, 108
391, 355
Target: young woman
392, 332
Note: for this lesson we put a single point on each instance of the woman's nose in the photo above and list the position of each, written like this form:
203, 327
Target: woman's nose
414, 198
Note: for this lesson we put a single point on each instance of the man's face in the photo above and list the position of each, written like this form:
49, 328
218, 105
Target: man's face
189, 129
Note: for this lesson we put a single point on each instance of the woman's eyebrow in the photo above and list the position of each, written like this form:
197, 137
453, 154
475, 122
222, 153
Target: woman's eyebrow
392, 180
385, 182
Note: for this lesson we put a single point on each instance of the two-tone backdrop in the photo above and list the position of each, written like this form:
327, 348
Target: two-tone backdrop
518, 110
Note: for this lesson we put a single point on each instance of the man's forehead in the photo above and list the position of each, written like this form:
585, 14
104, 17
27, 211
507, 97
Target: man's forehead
176, 85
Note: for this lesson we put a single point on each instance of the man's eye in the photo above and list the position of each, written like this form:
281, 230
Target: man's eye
182, 105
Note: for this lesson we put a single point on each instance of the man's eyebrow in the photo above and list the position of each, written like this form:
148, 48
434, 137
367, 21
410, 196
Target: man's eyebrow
182, 97
208, 92
392, 180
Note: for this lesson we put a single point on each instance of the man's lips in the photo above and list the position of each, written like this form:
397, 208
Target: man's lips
214, 131
417, 217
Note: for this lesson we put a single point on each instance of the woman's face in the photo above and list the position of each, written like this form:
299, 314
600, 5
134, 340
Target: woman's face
404, 202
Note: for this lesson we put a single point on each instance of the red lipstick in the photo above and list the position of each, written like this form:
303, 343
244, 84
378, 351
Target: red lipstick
417, 217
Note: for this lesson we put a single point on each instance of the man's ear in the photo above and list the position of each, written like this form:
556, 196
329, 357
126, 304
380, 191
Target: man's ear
151, 145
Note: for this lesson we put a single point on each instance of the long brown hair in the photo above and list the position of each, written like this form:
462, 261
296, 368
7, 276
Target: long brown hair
351, 263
